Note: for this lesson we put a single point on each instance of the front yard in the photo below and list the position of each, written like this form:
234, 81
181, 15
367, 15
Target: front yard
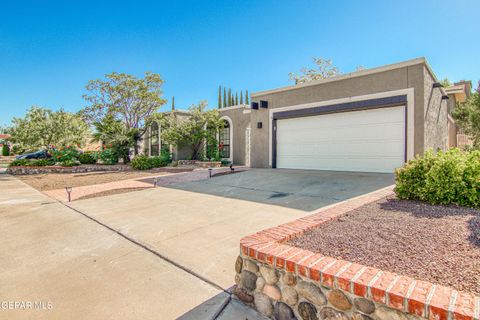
440, 244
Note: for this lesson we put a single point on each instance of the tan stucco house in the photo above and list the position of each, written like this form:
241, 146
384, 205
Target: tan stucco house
371, 120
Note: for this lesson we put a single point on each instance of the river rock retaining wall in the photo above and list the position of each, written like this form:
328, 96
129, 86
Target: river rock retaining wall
286, 283
24, 170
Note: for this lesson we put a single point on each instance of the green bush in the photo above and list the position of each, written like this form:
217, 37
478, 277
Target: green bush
451, 177
141, 162
108, 156
41, 162
161, 161
69, 163
67, 153
5, 150
88, 157
19, 162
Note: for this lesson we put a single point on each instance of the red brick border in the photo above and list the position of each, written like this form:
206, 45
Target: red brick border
400, 292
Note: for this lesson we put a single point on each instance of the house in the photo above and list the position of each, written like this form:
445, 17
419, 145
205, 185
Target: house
457, 93
370, 120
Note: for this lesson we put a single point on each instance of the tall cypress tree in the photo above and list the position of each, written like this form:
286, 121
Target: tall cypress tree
173, 103
224, 97
219, 97
229, 97
247, 100
241, 97
236, 98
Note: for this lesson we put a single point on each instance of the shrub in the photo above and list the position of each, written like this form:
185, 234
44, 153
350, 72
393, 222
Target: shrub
41, 162
5, 150
88, 157
67, 153
108, 156
141, 162
161, 161
69, 163
18, 162
451, 177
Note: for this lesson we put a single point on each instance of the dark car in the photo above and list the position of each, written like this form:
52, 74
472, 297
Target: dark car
41, 154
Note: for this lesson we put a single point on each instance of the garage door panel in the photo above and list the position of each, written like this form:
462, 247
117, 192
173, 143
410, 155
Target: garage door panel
371, 140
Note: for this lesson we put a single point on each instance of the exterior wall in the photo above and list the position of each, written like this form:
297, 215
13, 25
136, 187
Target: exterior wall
401, 78
435, 115
240, 117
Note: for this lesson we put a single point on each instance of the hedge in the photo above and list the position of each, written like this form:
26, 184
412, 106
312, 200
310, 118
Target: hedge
451, 177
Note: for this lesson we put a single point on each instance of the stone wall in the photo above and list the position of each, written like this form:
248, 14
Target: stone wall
286, 283
200, 164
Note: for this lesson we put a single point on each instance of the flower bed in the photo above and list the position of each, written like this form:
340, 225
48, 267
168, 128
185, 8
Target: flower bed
284, 281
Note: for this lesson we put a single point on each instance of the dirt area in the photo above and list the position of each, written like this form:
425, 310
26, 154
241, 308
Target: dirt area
53, 181
440, 244
111, 192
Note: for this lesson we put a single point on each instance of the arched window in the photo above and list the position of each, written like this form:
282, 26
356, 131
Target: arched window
154, 139
224, 140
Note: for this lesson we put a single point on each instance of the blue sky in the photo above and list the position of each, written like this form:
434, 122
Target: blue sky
50, 49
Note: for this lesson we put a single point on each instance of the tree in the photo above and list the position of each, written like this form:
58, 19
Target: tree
236, 98
445, 82
43, 128
229, 97
467, 117
114, 133
195, 131
247, 97
324, 68
173, 103
127, 98
224, 97
241, 96
219, 97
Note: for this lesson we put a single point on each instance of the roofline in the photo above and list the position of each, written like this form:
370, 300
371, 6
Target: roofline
350, 75
238, 106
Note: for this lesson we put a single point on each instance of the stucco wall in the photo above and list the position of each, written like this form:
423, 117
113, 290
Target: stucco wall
435, 115
240, 117
396, 79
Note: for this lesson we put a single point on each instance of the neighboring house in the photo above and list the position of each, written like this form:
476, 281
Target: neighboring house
371, 120
3, 139
457, 93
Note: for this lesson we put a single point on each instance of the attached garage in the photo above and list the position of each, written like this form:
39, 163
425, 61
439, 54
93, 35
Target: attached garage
368, 140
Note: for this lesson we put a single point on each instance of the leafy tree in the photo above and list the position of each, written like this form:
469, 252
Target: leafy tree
467, 117
324, 68
173, 103
224, 97
247, 97
445, 82
42, 128
195, 131
115, 135
241, 97
126, 98
219, 97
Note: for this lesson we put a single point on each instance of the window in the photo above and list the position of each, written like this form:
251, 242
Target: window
224, 140
154, 139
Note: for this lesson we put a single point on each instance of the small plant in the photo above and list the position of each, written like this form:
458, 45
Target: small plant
5, 150
451, 177
18, 162
69, 163
108, 156
67, 153
88, 157
42, 162
141, 162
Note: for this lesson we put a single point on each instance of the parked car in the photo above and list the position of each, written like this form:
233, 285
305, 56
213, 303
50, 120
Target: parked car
40, 154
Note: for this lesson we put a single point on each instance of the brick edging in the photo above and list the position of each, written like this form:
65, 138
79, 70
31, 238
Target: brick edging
403, 293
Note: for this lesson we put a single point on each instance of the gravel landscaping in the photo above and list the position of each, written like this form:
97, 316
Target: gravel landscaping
53, 181
440, 244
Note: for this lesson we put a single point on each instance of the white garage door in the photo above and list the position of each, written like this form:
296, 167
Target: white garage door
368, 141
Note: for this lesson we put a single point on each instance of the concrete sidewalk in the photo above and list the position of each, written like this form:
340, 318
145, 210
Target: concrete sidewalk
70, 267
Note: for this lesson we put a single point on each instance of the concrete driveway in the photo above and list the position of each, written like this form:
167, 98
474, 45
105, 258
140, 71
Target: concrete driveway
162, 252
298, 189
